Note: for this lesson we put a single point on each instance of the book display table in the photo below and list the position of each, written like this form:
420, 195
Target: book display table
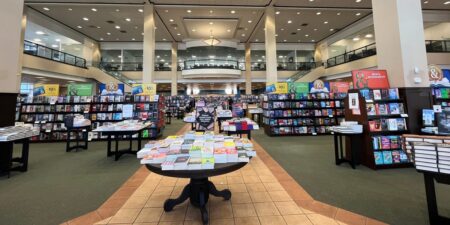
9, 136
431, 156
355, 142
197, 156
240, 126
220, 120
123, 129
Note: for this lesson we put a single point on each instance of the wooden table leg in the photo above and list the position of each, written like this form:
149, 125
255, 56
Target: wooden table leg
108, 151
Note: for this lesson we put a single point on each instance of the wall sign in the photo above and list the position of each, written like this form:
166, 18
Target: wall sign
298, 87
277, 88
144, 89
79, 89
46, 90
339, 87
438, 77
374, 79
111, 89
318, 86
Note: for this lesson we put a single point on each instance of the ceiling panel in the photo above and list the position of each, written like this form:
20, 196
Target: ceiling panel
203, 28
310, 25
426, 4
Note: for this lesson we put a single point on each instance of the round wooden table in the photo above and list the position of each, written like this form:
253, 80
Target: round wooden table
199, 187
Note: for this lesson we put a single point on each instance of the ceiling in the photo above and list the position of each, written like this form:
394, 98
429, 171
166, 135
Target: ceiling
178, 20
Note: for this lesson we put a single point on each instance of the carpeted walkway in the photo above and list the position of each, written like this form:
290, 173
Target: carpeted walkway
395, 196
60, 186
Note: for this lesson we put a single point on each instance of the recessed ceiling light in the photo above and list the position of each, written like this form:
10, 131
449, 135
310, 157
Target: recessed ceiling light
117, 10
140, 10
356, 39
276, 35
127, 19
166, 10
277, 12
193, 30
313, 40
358, 1
178, 34
289, 21
318, 13
210, 11
94, 9
284, 40
315, 29
70, 9
101, 39
232, 12
108, 33
243, 35
98, 27
158, 56
306, 35
256, 40
79, 27
133, 39
298, 13
249, 21
85, 19
37, 40
447, 3
54, 46
369, 36
325, 22
164, 39
171, 20
280, 56
117, 39
282, 29
40, 32
311, 0
299, 29
358, 14
46, 9
194, 56
57, 40
228, 30
338, 13
142, 33
188, 11
211, 23
299, 40
331, 29
425, 2
117, 27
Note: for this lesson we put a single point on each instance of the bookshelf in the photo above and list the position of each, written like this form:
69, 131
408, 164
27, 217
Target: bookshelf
383, 114
441, 96
296, 114
174, 103
47, 113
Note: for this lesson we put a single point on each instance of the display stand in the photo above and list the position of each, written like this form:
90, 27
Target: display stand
220, 120
355, 141
77, 130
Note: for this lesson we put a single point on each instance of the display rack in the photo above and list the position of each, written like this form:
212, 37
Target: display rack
47, 113
383, 114
441, 96
249, 99
297, 114
175, 103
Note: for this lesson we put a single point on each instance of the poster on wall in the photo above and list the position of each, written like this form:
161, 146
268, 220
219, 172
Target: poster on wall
438, 77
79, 89
298, 87
339, 87
373, 79
277, 88
111, 89
318, 86
238, 110
204, 118
144, 89
46, 90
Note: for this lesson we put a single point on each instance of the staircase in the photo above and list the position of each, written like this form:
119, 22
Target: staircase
302, 73
114, 74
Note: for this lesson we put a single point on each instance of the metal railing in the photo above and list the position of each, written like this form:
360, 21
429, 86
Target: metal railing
133, 66
437, 46
304, 71
211, 64
285, 66
359, 53
38, 50
113, 73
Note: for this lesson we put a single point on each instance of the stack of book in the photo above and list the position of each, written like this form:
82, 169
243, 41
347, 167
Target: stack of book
196, 150
239, 124
17, 132
429, 154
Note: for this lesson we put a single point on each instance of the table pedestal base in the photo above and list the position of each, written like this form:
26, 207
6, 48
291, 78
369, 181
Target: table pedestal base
198, 191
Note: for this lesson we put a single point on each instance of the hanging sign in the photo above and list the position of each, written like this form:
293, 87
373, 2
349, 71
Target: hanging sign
318, 86
339, 87
111, 89
299, 87
277, 88
144, 89
374, 79
438, 77
79, 89
46, 90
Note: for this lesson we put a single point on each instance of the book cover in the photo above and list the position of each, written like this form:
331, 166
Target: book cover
395, 142
393, 93
376, 94
382, 109
371, 110
401, 124
393, 125
394, 108
385, 142
387, 157
378, 158
396, 157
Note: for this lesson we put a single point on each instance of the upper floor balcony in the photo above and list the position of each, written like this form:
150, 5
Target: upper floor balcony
38, 50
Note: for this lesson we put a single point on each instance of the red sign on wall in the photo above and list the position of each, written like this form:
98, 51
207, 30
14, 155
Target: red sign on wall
339, 87
374, 79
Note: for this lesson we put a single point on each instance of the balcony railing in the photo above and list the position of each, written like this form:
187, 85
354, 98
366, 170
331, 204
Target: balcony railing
211, 64
363, 52
285, 66
31, 48
132, 66
437, 46
113, 73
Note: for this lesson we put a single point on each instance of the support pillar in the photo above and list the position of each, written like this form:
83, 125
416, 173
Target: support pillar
401, 42
13, 23
271, 45
148, 71
174, 86
248, 69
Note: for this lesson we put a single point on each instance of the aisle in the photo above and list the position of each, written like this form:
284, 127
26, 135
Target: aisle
59, 186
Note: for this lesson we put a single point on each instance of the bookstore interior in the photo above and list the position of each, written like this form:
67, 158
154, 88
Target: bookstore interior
254, 112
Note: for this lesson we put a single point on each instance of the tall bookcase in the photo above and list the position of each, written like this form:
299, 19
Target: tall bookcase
384, 116
174, 103
297, 114
47, 113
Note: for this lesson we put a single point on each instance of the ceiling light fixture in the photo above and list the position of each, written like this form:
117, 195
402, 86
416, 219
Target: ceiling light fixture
277, 12
210, 11
211, 41
356, 39
117, 27
37, 40
171, 20
40, 32
117, 10
447, 3
243, 35
289, 21
133, 39
211, 23
325, 22
228, 30
140, 10
331, 29
108, 33
79, 27
94, 9
85, 19
232, 12
54, 46
101, 39
249, 21
299, 29
313, 40
358, 14
128, 19
358, 1
70, 9
193, 30
256, 40
58, 40
369, 36
306, 35
298, 13
46, 9
318, 13
178, 34
164, 39
188, 11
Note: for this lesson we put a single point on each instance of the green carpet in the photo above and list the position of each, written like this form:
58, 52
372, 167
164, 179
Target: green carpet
395, 196
60, 186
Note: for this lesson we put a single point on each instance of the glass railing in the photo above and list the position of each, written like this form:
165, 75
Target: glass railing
437, 46
113, 73
133, 66
304, 70
211, 64
31, 48
285, 66
363, 52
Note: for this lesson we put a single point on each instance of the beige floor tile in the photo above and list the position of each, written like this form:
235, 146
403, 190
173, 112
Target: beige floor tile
273, 186
221, 187
156, 201
102, 222
219, 180
246, 221
135, 202
251, 179
176, 191
267, 178
261, 196
243, 210
182, 182
255, 187
163, 191
280, 196
236, 173
221, 222
235, 180
125, 216
318, 219
288, 208
272, 220
192, 222
149, 215
234, 188
171, 223
177, 214
240, 197
145, 223
297, 220
266, 209
221, 211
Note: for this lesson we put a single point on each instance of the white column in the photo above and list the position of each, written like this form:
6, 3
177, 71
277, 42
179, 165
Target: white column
271, 45
400, 41
248, 69
149, 44
13, 24
174, 86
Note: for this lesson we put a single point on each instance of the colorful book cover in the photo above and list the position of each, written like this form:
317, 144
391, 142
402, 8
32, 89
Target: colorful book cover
401, 124
392, 125
387, 157
393, 93
403, 157
395, 142
385, 142
376, 94
396, 156
394, 108
378, 158
384, 94
382, 109
371, 111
